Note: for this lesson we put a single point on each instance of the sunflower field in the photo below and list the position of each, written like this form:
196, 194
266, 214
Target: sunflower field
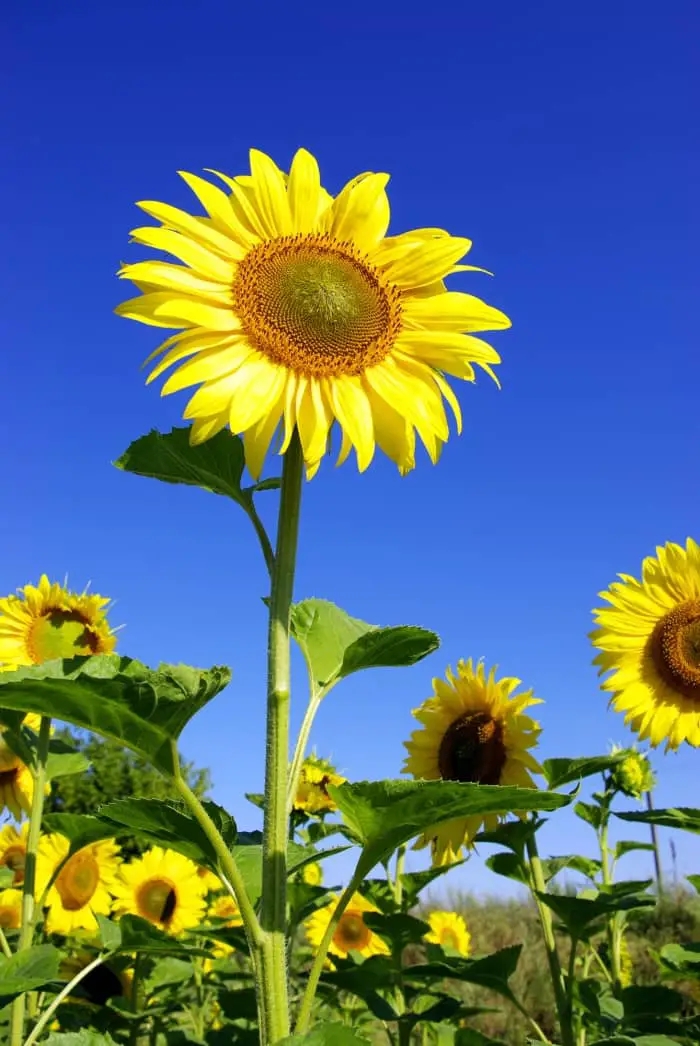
299, 320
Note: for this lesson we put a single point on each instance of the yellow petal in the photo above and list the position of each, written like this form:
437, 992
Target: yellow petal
217, 205
453, 311
208, 365
427, 262
168, 277
244, 204
445, 359
257, 439
360, 212
304, 191
351, 407
143, 310
313, 418
203, 261
259, 386
204, 428
199, 229
187, 344
188, 312
395, 436
270, 193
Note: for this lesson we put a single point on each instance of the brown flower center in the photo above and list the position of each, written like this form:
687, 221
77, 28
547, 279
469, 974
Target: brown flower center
675, 649
472, 749
77, 881
316, 306
61, 633
157, 900
352, 934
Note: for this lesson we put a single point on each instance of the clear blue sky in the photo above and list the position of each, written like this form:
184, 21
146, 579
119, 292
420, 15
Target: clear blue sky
559, 138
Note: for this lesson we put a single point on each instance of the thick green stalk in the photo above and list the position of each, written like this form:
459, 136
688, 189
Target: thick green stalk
275, 995
613, 928
550, 944
26, 933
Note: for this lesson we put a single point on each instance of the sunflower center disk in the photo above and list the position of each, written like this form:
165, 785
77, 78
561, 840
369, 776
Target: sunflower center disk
352, 933
472, 749
60, 633
316, 306
675, 648
77, 881
157, 900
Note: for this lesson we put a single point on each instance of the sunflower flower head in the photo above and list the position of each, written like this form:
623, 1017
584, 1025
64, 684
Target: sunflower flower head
634, 775
312, 793
109, 980
648, 641
295, 310
16, 792
47, 621
352, 934
164, 887
473, 728
13, 850
449, 930
10, 909
312, 874
83, 887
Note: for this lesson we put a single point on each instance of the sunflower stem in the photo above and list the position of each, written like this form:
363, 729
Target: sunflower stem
26, 932
301, 745
275, 995
539, 887
264, 540
613, 927
63, 994
4, 946
304, 1015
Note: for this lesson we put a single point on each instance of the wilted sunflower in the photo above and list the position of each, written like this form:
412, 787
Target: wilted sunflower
649, 642
473, 729
297, 308
83, 887
13, 850
162, 886
351, 934
449, 930
47, 621
312, 792
10, 909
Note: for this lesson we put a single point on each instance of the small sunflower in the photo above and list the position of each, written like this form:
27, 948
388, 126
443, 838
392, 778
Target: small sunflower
296, 309
211, 882
634, 775
473, 729
312, 793
10, 909
649, 643
13, 850
16, 781
82, 889
47, 621
449, 930
164, 887
109, 980
312, 874
225, 913
351, 934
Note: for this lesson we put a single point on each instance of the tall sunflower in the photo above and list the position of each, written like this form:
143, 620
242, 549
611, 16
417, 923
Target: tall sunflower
162, 886
47, 621
473, 729
449, 930
649, 643
312, 792
352, 934
83, 887
13, 850
10, 909
294, 307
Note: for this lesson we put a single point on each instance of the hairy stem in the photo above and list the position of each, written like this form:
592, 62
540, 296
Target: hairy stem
613, 923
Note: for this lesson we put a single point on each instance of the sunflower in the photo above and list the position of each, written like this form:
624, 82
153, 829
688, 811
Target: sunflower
225, 913
10, 909
13, 850
649, 642
634, 775
83, 887
109, 980
48, 621
312, 874
295, 307
164, 887
449, 930
473, 729
210, 882
312, 792
351, 934
16, 781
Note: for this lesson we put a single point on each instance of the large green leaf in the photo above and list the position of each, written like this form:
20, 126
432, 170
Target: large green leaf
681, 958
587, 866
80, 829
684, 817
384, 814
398, 929
133, 934
248, 856
145, 709
510, 865
492, 972
512, 834
625, 846
170, 824
577, 913
216, 465
326, 1035
650, 1000
27, 970
564, 771
335, 644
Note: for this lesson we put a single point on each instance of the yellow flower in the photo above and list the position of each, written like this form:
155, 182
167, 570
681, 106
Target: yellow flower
473, 729
312, 793
351, 934
164, 887
10, 909
296, 308
13, 850
211, 882
649, 643
225, 911
83, 887
48, 621
312, 874
16, 781
626, 964
449, 930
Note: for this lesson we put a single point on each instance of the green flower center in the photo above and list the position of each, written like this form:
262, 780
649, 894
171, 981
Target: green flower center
316, 305
472, 749
77, 881
352, 934
675, 649
157, 900
61, 633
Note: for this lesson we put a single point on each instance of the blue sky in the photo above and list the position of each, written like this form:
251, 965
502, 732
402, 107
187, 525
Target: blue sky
557, 138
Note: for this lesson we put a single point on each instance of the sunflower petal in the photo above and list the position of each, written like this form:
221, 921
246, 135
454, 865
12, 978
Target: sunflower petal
303, 191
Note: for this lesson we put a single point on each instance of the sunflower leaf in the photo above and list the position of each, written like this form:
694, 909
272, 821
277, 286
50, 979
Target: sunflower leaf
331, 1034
27, 970
336, 645
79, 829
122, 699
492, 972
84, 1037
139, 935
577, 913
683, 817
385, 814
563, 771
248, 855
